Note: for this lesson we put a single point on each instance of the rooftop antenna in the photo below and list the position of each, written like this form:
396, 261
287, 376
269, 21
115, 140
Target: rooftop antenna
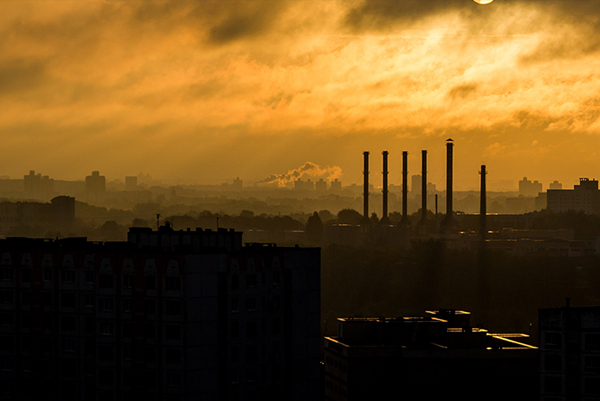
217, 223
157, 221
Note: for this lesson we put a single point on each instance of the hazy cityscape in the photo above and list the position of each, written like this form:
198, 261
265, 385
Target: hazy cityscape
298, 200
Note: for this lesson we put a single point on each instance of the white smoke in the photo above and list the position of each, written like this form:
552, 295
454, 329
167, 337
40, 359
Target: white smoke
308, 170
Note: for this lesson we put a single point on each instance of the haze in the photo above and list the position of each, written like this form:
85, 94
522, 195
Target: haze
204, 91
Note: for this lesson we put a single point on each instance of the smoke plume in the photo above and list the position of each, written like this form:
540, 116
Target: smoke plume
308, 170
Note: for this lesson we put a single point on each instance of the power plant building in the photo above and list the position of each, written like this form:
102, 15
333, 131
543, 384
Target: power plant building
167, 315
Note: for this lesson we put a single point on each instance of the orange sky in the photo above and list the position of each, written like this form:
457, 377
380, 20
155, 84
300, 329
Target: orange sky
199, 91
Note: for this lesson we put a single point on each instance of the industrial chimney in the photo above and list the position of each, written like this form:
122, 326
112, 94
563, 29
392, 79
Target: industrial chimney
405, 220
384, 218
366, 187
483, 206
448, 224
423, 221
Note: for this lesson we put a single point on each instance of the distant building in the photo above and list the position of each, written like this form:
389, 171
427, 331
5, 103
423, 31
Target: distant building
167, 315
321, 185
37, 184
298, 184
584, 197
433, 357
95, 184
569, 353
59, 215
555, 185
528, 188
336, 186
520, 204
417, 183
309, 185
237, 184
131, 183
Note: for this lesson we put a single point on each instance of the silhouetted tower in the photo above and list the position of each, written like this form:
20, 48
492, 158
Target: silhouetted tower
483, 205
366, 187
384, 218
423, 221
448, 224
405, 220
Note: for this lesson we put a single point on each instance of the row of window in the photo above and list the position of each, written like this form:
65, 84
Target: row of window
105, 281
252, 280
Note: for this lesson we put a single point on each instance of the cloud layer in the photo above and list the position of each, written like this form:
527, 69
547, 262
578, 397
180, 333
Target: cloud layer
243, 88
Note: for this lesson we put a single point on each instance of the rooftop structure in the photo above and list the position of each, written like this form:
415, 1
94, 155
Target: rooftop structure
436, 356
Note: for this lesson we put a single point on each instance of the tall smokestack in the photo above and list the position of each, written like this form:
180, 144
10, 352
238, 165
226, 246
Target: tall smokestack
448, 222
424, 188
384, 218
366, 187
449, 146
483, 205
405, 220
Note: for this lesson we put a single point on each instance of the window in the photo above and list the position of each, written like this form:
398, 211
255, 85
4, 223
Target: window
275, 278
173, 307
553, 362
47, 275
67, 300
173, 332
68, 323
26, 298
592, 363
68, 276
251, 329
251, 304
89, 276
126, 305
26, 275
553, 340
106, 328
150, 330
150, 282
592, 342
173, 355
235, 329
234, 305
6, 297
106, 281
251, 354
127, 330
128, 281
173, 379
251, 281
68, 345
235, 282
89, 300
235, 354
105, 304
7, 274
173, 283
150, 307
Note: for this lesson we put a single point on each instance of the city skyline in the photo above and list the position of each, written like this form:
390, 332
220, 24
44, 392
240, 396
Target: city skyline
203, 92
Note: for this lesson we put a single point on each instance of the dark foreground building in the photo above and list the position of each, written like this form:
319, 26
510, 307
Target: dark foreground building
167, 315
570, 353
434, 357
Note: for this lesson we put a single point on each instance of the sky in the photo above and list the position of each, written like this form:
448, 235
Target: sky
201, 91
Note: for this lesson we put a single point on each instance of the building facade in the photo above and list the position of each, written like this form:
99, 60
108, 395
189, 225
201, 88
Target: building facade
167, 315
569, 353
584, 197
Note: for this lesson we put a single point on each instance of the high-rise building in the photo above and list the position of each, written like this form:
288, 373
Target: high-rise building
95, 184
131, 183
167, 315
528, 188
569, 353
584, 197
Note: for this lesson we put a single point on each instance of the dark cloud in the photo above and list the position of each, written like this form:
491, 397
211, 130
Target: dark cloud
462, 91
20, 75
383, 14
